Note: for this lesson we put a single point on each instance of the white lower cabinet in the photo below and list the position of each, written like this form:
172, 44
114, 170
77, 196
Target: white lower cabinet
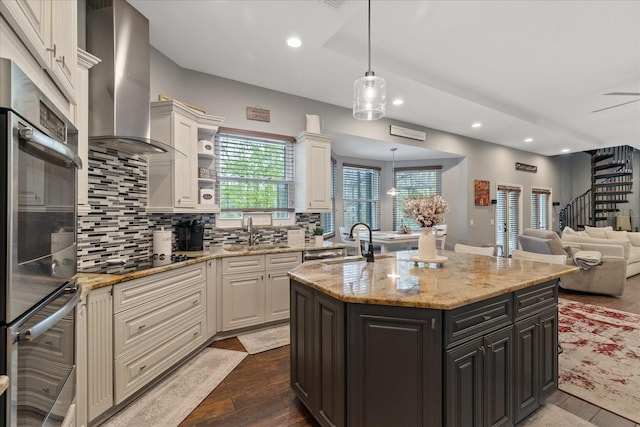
158, 320
255, 289
81, 365
99, 351
212, 298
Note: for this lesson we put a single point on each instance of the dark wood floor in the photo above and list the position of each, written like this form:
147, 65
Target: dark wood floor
257, 392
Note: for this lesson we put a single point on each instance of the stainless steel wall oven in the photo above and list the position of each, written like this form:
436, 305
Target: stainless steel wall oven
38, 221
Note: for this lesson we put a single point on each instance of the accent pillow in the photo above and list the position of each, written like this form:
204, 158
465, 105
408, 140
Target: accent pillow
617, 235
569, 230
597, 232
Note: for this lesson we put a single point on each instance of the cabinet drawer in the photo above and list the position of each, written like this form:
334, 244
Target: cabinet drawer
478, 319
136, 369
149, 321
285, 261
535, 299
242, 264
130, 294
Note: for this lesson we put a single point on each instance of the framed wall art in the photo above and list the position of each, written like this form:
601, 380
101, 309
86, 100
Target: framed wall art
481, 192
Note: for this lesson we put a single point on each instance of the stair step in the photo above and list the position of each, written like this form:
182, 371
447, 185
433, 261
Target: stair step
607, 210
599, 157
608, 166
612, 184
612, 193
612, 175
603, 202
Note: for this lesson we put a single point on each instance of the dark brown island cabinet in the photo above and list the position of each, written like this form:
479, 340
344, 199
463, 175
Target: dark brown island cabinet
489, 363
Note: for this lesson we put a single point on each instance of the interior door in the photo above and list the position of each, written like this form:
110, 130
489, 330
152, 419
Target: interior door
508, 218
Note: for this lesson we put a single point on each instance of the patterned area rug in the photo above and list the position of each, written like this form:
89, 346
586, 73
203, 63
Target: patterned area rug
601, 358
266, 339
171, 400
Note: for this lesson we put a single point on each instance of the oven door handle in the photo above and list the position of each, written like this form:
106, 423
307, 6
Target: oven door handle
38, 329
49, 146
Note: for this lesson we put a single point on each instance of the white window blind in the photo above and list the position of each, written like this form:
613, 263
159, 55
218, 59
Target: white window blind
361, 195
411, 182
329, 218
254, 173
508, 218
540, 208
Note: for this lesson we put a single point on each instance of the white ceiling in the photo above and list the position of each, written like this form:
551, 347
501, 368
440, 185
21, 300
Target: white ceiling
523, 68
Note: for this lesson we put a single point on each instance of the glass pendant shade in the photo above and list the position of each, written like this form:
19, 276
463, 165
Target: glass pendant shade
369, 97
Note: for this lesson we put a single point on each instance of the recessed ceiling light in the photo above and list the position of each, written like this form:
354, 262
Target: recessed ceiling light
398, 101
294, 42
528, 140
476, 125
565, 150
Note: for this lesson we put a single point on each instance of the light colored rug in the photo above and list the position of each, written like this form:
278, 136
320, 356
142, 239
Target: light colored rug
552, 416
266, 339
601, 358
171, 400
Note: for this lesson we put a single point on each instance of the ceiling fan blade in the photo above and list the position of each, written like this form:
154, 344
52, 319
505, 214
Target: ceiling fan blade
618, 105
624, 93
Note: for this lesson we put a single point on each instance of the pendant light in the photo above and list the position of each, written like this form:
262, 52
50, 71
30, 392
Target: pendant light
393, 192
369, 95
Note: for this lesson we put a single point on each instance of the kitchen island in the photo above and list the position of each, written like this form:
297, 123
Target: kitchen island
394, 343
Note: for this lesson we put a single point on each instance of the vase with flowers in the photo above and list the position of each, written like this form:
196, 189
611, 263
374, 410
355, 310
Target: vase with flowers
427, 211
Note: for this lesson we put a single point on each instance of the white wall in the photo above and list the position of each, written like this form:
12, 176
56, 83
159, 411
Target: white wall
481, 160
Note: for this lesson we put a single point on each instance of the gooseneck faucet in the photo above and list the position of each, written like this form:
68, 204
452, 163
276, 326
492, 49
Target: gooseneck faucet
369, 254
252, 236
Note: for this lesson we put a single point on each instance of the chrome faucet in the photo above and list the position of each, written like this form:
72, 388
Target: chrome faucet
252, 236
369, 254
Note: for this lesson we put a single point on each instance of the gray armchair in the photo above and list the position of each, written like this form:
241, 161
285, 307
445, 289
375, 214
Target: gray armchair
608, 278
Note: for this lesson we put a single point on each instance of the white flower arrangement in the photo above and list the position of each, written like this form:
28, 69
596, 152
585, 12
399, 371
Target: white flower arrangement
428, 211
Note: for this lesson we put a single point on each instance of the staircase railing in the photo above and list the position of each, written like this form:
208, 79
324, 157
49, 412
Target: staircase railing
577, 213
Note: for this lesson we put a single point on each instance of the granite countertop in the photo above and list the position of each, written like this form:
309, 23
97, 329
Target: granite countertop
89, 281
4, 384
395, 280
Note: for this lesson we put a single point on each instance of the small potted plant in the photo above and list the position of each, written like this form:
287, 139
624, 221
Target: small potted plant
317, 234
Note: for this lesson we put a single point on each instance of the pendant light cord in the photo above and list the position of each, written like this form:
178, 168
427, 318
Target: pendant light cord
369, 36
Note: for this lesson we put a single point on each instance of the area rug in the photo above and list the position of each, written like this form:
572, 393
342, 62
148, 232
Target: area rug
600, 362
171, 400
552, 416
266, 339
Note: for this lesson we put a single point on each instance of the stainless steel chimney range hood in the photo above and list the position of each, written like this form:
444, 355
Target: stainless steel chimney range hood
119, 85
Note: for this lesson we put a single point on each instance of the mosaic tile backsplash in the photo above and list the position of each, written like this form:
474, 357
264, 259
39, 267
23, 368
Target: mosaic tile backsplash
118, 226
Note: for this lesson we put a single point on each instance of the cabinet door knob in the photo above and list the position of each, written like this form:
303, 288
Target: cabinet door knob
486, 317
195, 302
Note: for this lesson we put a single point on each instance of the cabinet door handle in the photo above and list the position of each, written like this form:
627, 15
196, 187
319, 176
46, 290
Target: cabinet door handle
491, 346
142, 367
195, 334
482, 349
195, 302
142, 326
61, 60
52, 50
433, 323
541, 298
486, 317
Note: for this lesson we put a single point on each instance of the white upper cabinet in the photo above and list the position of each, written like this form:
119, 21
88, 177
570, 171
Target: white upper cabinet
313, 172
174, 182
49, 31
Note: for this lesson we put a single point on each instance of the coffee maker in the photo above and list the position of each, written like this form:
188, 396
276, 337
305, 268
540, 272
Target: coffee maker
190, 235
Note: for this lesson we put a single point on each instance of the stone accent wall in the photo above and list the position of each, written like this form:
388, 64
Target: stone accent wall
118, 226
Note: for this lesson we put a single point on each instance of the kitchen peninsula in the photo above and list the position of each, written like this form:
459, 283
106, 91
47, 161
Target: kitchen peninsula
474, 342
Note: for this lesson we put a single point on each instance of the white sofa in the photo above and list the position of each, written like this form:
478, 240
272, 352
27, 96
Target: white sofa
608, 242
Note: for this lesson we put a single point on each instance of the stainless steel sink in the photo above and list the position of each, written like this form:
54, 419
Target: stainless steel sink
355, 259
261, 247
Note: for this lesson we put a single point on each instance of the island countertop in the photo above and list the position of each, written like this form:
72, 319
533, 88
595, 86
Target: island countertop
397, 281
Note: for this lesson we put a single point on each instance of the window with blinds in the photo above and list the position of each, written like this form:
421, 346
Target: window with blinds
254, 173
410, 182
328, 219
508, 218
361, 195
540, 198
